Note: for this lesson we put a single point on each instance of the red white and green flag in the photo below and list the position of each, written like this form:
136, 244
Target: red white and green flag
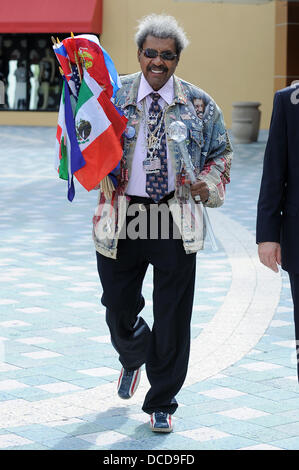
98, 129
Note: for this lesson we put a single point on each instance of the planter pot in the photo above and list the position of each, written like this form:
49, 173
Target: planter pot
246, 119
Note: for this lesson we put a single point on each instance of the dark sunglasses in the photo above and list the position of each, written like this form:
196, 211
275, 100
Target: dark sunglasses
152, 54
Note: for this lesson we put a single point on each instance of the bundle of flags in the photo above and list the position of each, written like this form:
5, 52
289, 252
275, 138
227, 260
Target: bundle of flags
89, 129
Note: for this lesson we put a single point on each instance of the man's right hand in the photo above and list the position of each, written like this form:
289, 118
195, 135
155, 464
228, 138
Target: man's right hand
270, 255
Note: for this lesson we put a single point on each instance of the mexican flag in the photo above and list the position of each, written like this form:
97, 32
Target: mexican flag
98, 129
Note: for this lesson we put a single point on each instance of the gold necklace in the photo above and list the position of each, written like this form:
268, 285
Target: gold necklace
152, 138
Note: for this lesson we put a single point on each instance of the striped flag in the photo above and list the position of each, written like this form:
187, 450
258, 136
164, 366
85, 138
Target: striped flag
114, 77
63, 59
70, 70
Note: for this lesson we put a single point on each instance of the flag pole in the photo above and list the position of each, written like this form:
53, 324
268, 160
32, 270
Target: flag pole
107, 187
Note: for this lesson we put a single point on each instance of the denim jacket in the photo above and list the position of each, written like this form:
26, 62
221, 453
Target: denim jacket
210, 151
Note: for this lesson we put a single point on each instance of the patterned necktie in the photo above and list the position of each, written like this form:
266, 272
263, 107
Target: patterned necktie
157, 183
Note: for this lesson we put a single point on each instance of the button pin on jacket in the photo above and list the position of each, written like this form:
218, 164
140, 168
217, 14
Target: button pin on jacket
130, 132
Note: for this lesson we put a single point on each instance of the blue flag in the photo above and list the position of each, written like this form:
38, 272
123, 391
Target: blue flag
114, 77
75, 157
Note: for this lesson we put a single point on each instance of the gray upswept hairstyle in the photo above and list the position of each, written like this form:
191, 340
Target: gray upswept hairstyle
161, 26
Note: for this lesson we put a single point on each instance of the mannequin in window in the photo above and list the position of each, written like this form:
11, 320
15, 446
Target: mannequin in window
21, 86
3, 79
46, 77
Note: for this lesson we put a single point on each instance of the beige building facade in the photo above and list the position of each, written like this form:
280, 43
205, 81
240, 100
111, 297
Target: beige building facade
237, 49
231, 52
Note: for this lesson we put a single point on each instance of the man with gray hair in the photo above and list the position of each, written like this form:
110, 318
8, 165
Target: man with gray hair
153, 175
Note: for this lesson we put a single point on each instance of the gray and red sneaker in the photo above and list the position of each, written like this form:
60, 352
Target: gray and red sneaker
128, 382
161, 422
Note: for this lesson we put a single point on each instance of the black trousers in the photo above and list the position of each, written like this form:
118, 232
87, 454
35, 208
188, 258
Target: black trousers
294, 281
165, 349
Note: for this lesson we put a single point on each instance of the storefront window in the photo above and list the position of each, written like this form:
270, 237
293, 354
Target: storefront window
30, 73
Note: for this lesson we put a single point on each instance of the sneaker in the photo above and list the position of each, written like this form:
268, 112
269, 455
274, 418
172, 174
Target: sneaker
161, 422
128, 382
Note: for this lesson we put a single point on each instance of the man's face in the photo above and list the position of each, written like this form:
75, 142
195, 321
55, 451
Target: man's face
157, 71
199, 107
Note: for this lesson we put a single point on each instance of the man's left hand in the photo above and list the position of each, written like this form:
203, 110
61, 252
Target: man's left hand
200, 188
270, 255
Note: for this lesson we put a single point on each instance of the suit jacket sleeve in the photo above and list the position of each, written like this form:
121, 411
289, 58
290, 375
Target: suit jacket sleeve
274, 176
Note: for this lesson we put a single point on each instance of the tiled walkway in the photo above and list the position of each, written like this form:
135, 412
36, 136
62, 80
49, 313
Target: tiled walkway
58, 370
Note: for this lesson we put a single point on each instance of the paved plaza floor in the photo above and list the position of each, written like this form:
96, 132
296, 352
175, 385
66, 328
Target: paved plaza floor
58, 370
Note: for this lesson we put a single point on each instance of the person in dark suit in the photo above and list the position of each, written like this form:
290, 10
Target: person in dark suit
277, 231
